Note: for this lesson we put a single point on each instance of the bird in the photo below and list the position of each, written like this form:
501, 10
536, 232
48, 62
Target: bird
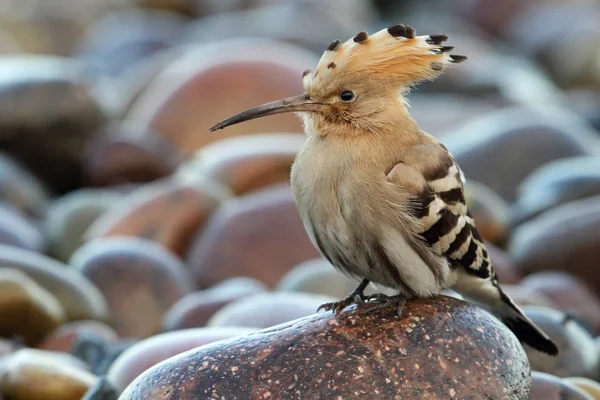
380, 198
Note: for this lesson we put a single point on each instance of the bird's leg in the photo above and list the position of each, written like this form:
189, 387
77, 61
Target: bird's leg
357, 296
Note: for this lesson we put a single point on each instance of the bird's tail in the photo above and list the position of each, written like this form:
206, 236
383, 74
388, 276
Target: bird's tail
490, 296
523, 328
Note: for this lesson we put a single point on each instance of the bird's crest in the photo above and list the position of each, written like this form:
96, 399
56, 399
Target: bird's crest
393, 53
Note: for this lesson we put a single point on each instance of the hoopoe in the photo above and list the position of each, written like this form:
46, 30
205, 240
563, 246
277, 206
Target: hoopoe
381, 199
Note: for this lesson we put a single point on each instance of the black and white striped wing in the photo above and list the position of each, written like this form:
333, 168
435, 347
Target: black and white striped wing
447, 226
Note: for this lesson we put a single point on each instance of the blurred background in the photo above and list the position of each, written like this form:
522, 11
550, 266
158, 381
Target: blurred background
123, 218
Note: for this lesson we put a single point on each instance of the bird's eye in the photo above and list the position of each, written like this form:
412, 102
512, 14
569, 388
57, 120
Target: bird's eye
346, 95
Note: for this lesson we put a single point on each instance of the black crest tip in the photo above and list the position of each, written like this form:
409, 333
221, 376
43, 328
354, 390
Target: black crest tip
437, 39
397, 30
361, 37
334, 45
410, 32
306, 72
457, 59
445, 49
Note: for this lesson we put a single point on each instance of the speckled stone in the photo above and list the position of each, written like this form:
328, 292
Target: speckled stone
440, 348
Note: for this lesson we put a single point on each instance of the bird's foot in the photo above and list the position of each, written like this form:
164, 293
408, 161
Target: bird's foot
381, 298
356, 297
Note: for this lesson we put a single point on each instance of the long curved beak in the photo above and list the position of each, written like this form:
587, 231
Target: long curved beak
290, 104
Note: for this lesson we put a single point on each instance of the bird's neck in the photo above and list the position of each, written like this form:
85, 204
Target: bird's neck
390, 124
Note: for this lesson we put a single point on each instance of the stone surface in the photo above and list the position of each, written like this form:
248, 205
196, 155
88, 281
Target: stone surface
21, 189
27, 310
366, 351
565, 238
169, 212
124, 153
263, 310
550, 387
513, 142
556, 183
246, 163
587, 385
578, 355
17, 230
63, 338
216, 80
259, 235
196, 309
147, 353
58, 114
69, 217
79, 297
139, 279
30, 374
568, 294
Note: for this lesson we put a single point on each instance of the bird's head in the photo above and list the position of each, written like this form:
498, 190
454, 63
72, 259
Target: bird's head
360, 83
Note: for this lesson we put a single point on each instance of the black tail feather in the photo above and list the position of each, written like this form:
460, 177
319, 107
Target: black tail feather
524, 329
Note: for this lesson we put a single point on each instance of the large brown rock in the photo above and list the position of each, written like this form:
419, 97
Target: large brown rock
565, 238
214, 81
501, 148
556, 183
169, 212
259, 235
439, 348
79, 297
57, 116
147, 353
139, 279
64, 337
246, 163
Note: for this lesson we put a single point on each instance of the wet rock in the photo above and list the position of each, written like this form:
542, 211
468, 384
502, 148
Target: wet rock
18, 231
196, 309
550, 387
358, 352
587, 385
259, 235
169, 212
577, 357
139, 279
21, 189
125, 153
27, 310
216, 80
147, 353
263, 310
567, 294
62, 338
30, 374
70, 216
489, 211
513, 142
79, 297
556, 183
565, 238
57, 116
246, 163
